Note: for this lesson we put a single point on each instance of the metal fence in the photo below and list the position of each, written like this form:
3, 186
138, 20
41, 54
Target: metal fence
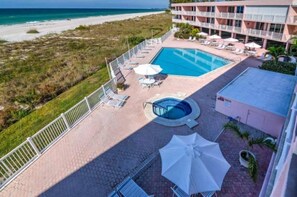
120, 61
26, 153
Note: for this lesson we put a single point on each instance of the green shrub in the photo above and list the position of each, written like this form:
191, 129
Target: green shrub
281, 67
33, 31
2, 41
82, 28
135, 40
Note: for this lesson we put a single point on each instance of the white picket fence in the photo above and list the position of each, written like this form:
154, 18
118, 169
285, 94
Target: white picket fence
16, 161
136, 51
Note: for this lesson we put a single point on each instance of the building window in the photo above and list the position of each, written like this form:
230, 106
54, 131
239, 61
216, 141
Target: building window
210, 20
240, 9
230, 22
231, 9
260, 26
238, 23
278, 28
193, 9
211, 9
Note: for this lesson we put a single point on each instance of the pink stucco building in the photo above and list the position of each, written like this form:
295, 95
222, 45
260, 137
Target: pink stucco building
267, 22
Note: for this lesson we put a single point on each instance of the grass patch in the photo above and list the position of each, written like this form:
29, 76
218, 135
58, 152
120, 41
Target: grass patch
18, 132
281, 67
83, 28
32, 31
48, 76
3, 41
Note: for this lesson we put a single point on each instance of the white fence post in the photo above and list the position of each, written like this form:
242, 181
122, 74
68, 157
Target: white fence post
10, 171
66, 122
88, 104
29, 139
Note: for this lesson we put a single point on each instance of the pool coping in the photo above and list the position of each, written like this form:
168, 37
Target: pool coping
231, 62
148, 111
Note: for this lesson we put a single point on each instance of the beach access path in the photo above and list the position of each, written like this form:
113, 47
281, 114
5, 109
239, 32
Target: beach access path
18, 32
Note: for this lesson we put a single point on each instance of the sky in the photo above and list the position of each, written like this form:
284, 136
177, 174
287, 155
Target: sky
84, 3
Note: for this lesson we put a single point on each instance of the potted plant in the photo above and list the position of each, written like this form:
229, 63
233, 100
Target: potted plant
120, 86
246, 157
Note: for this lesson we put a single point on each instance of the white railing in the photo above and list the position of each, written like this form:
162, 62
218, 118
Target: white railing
177, 12
265, 34
175, 20
230, 15
265, 18
16, 161
190, 13
237, 29
209, 14
292, 20
120, 61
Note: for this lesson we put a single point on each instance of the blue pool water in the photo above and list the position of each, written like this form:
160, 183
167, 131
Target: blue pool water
171, 108
187, 62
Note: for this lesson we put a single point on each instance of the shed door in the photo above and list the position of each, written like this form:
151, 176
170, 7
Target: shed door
255, 119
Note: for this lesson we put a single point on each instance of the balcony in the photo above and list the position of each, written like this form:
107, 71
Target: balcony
265, 18
292, 20
189, 13
177, 12
207, 14
226, 27
265, 34
175, 20
230, 15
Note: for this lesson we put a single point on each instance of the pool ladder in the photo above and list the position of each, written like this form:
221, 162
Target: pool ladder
160, 110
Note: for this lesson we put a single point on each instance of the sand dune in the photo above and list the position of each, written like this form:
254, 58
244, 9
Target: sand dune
16, 33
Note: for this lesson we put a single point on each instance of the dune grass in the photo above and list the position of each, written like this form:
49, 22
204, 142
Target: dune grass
42, 78
32, 31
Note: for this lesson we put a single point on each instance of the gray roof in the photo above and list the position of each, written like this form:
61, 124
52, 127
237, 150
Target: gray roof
266, 90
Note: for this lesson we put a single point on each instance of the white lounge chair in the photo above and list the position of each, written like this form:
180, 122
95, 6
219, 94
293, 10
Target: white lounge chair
236, 50
190, 38
128, 188
208, 194
293, 60
206, 43
115, 96
221, 47
111, 102
179, 192
194, 39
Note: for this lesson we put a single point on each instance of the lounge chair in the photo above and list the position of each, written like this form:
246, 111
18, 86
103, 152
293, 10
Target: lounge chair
157, 83
293, 60
221, 47
115, 96
208, 194
128, 188
111, 102
178, 192
206, 43
194, 39
190, 38
236, 51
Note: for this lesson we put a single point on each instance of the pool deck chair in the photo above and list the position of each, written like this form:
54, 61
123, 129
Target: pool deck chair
178, 192
192, 123
128, 188
208, 194
115, 96
111, 102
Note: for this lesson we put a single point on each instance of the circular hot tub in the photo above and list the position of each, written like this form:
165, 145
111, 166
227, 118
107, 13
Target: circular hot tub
171, 109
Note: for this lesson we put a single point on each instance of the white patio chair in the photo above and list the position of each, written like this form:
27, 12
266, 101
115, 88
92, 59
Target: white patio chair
111, 102
115, 96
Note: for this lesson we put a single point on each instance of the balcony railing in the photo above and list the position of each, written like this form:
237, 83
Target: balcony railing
292, 20
266, 34
265, 18
177, 12
175, 20
190, 13
208, 14
230, 15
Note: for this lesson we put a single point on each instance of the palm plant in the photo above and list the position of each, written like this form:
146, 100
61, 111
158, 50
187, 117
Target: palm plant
276, 51
250, 142
293, 48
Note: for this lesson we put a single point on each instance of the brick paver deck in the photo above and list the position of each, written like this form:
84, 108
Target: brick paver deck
107, 145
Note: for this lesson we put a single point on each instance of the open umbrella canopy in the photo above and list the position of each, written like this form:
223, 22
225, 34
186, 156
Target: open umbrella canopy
230, 40
194, 164
252, 45
214, 37
202, 34
148, 69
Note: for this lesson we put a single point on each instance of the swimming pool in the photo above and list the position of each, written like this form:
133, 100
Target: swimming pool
187, 62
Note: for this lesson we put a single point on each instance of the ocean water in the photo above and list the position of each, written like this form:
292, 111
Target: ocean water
18, 16
187, 62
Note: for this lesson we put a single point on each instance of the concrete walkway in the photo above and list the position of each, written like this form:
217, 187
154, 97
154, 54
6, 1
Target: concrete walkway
107, 145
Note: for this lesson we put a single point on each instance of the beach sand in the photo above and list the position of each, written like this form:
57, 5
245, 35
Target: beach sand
18, 32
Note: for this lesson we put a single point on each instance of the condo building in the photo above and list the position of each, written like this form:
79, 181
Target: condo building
266, 22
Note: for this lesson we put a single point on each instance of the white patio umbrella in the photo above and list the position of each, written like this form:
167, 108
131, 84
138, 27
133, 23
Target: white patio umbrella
202, 34
148, 69
214, 37
252, 45
230, 40
194, 164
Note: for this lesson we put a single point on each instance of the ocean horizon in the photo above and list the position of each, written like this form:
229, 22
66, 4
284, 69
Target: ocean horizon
34, 15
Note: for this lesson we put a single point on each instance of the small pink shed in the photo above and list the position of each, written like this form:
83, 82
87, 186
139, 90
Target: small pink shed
258, 98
